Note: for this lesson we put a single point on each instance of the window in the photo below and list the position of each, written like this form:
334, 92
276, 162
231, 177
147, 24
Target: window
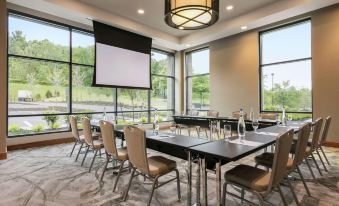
285, 66
50, 77
197, 80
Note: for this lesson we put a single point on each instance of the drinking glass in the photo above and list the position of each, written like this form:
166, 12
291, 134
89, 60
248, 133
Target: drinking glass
255, 124
227, 132
289, 118
173, 128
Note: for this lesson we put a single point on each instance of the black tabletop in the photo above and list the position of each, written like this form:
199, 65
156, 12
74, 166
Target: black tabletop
228, 151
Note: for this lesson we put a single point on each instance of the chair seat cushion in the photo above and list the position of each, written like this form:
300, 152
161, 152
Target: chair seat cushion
98, 144
266, 159
159, 165
250, 177
122, 153
82, 138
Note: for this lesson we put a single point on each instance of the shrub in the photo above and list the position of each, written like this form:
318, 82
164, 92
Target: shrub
56, 125
143, 119
48, 94
37, 97
51, 120
14, 128
38, 128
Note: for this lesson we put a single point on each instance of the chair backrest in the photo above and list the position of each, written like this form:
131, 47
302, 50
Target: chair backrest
136, 148
301, 145
283, 146
325, 130
270, 116
108, 136
212, 113
194, 113
236, 114
316, 133
86, 126
74, 126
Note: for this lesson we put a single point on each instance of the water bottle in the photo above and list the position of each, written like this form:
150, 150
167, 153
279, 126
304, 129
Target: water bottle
104, 117
283, 118
241, 125
156, 122
251, 114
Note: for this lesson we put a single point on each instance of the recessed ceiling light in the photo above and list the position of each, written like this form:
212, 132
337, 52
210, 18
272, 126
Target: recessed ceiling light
187, 45
141, 11
244, 27
229, 8
181, 27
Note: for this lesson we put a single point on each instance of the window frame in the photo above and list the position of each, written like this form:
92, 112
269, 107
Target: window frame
187, 77
71, 64
261, 65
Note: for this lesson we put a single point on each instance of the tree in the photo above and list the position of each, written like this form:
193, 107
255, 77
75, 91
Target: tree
200, 86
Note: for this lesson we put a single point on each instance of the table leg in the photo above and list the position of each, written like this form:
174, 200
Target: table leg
204, 177
189, 181
198, 182
218, 182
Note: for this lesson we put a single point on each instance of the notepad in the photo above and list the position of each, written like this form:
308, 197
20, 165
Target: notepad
268, 133
161, 136
246, 142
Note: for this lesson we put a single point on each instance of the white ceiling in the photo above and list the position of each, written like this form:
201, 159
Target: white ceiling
123, 14
154, 11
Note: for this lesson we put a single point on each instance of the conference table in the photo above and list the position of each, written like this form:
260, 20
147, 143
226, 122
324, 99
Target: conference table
212, 153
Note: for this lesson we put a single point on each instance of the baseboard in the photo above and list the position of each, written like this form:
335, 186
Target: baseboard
3, 156
40, 144
332, 144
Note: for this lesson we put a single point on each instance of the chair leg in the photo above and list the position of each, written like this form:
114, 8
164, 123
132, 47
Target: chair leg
76, 159
129, 185
95, 155
153, 188
282, 195
119, 173
321, 160
189, 131
206, 133
83, 160
303, 180
292, 190
75, 143
316, 164
105, 167
309, 167
224, 193
242, 195
321, 148
178, 184
261, 200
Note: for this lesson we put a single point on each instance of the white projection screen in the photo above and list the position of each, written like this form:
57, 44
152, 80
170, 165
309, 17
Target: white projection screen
122, 58
121, 67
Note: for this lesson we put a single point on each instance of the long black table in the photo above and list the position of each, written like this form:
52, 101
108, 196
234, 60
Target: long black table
215, 153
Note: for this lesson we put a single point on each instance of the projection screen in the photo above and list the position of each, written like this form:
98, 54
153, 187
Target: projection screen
122, 58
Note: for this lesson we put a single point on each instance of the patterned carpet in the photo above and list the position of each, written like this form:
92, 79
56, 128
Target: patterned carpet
48, 176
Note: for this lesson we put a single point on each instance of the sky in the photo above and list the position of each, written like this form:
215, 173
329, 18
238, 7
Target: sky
277, 45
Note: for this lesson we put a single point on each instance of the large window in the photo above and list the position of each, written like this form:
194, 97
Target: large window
197, 80
285, 66
50, 69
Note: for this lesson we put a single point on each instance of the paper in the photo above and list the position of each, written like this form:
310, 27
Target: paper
267, 133
161, 136
246, 142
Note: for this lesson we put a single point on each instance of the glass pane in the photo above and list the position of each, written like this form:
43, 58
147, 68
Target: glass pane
199, 93
288, 43
128, 118
198, 62
287, 85
162, 93
132, 100
82, 48
162, 63
37, 87
86, 98
164, 116
37, 124
32, 38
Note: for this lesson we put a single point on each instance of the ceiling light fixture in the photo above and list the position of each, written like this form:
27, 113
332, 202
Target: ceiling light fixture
191, 14
229, 8
244, 27
141, 11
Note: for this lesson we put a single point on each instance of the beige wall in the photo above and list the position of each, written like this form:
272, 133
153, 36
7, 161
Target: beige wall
234, 78
3, 76
325, 63
234, 69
